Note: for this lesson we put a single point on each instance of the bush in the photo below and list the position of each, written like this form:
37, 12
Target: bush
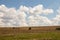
57, 28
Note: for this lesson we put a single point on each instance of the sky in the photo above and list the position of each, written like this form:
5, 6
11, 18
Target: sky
29, 12
16, 3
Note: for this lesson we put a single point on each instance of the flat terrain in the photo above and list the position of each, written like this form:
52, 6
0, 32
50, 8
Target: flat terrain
35, 33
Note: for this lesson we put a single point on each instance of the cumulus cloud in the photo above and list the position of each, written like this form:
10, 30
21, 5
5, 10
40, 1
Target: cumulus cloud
46, 11
39, 21
39, 10
1, 14
58, 11
56, 20
23, 8
26, 16
3, 8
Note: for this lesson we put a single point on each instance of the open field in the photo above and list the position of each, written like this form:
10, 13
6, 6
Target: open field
36, 33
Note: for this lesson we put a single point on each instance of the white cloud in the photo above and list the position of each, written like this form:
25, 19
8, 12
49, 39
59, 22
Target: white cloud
39, 10
1, 14
56, 19
58, 11
39, 21
47, 11
3, 8
24, 8
26, 16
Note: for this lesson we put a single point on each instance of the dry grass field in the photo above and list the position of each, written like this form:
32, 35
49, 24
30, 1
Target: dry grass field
35, 33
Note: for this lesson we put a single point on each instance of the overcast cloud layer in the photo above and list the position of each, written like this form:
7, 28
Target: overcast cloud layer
27, 16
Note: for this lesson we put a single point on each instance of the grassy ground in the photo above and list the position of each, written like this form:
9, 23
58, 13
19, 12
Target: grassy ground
36, 33
32, 36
